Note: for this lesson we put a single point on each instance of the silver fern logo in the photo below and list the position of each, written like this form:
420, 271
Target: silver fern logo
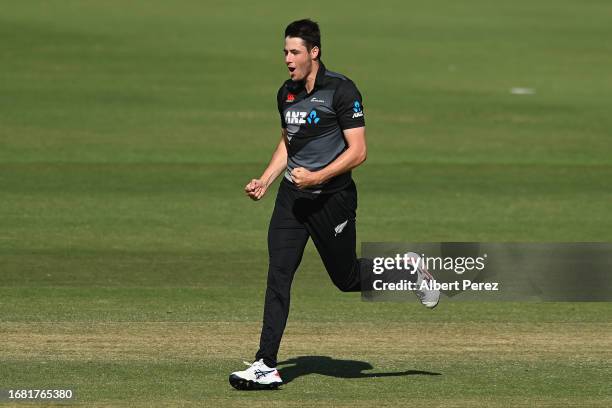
340, 227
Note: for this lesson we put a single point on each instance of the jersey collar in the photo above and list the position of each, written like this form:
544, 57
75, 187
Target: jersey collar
320, 76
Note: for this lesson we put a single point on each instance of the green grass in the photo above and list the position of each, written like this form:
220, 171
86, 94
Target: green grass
132, 267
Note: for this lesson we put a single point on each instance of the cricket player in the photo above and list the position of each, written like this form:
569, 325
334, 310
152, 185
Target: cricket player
323, 138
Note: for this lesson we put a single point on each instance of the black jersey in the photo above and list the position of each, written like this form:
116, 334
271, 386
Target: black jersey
315, 121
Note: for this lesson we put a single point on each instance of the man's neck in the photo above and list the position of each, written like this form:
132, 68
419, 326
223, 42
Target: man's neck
312, 77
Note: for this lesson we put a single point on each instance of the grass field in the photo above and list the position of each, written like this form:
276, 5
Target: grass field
132, 267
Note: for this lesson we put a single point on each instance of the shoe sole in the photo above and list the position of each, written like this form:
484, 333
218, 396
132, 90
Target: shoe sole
427, 305
241, 384
431, 305
427, 275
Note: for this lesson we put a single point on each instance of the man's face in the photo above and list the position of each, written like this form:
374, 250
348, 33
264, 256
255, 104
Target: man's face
298, 59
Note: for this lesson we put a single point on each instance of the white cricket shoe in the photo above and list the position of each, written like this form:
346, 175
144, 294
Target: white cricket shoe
257, 377
428, 297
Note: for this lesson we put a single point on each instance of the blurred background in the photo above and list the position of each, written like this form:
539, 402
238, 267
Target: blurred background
129, 129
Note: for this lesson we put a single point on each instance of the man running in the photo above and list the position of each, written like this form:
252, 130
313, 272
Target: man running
323, 139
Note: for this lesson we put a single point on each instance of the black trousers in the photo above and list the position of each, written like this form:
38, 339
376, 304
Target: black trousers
329, 219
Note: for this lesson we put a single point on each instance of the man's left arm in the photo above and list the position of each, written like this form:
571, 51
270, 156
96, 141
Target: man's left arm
353, 156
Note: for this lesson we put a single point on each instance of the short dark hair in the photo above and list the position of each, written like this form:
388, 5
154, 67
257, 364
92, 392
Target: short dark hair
308, 31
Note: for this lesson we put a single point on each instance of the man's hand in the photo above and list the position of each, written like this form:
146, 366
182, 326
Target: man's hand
304, 178
255, 189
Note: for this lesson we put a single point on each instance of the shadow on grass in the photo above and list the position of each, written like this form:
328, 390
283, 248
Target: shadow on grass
324, 365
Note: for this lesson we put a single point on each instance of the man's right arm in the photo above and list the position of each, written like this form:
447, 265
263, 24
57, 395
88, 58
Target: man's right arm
257, 188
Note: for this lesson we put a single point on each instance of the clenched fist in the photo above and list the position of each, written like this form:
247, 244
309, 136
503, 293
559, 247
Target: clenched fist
255, 189
304, 178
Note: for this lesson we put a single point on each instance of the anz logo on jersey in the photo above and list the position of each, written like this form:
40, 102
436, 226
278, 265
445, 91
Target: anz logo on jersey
357, 109
301, 118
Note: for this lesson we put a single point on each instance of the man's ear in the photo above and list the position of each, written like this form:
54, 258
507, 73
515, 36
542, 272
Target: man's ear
314, 52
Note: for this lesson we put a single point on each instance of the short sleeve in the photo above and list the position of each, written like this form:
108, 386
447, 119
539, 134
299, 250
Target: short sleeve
348, 106
280, 98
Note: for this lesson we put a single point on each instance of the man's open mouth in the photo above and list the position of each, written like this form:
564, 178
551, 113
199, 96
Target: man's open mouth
291, 69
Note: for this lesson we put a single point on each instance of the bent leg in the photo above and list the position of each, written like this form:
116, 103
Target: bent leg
332, 228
